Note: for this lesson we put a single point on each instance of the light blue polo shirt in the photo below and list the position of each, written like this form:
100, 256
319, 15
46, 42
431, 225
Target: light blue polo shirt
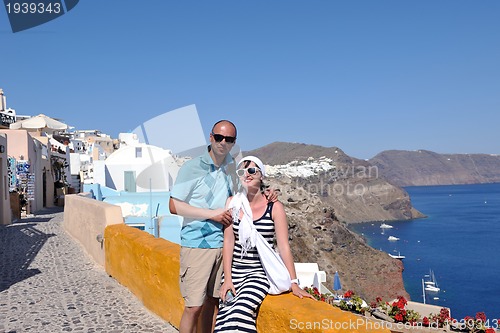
201, 184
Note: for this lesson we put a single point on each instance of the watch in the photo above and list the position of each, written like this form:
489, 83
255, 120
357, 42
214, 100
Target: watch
296, 281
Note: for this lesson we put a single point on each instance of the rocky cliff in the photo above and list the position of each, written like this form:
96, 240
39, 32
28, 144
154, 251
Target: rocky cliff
422, 167
323, 189
353, 187
316, 235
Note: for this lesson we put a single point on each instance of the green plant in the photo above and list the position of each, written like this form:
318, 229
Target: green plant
438, 320
317, 295
352, 302
397, 310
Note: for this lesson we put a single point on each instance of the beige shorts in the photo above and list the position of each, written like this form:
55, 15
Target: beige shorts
200, 274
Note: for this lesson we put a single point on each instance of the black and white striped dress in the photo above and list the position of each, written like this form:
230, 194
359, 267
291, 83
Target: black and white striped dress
249, 280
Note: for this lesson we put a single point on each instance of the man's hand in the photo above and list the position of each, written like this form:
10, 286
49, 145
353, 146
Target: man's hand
271, 194
223, 216
181, 208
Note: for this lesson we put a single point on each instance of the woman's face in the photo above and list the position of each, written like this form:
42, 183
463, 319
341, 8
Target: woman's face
250, 175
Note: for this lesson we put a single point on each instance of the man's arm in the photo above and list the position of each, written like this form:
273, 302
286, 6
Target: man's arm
184, 209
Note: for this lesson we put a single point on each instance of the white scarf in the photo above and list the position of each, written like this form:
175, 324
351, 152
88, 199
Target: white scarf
247, 232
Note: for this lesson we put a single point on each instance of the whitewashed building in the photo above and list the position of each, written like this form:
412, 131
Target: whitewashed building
138, 167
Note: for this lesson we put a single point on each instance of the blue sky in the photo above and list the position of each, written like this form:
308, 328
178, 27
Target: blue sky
364, 76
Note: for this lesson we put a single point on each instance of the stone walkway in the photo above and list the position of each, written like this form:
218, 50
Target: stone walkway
49, 284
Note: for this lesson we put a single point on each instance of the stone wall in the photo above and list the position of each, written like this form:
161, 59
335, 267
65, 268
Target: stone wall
85, 220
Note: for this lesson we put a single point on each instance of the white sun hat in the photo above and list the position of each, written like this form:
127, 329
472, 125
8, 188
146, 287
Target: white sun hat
257, 162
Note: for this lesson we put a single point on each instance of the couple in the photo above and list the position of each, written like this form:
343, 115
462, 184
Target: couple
202, 192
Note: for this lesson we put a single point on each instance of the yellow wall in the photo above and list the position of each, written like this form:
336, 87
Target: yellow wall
149, 268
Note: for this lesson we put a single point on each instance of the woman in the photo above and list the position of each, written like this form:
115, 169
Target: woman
244, 277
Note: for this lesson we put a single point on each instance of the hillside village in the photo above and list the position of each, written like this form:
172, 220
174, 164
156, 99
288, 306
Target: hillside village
45, 159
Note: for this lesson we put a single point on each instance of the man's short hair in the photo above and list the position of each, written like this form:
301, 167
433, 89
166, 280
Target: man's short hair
226, 121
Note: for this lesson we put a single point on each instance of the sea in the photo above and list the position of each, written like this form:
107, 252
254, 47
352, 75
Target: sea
459, 241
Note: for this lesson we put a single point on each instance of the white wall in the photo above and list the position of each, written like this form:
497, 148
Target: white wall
154, 163
74, 162
99, 172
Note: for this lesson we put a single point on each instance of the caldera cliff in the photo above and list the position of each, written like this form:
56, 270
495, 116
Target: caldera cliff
423, 167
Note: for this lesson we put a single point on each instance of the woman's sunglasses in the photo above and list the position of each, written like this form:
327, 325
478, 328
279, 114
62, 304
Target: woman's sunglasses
250, 171
220, 137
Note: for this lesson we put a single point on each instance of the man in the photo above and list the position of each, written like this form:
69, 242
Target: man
200, 192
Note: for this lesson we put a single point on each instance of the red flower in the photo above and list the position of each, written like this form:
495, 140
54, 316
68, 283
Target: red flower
480, 316
445, 313
348, 294
378, 299
425, 321
402, 302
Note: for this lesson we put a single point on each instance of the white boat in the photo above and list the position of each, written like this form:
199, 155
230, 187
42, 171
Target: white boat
392, 238
399, 256
386, 226
432, 288
431, 283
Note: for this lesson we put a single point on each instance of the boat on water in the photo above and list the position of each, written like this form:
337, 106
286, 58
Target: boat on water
432, 288
386, 226
398, 256
431, 283
392, 238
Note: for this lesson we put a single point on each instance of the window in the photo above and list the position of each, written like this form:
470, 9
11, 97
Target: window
138, 152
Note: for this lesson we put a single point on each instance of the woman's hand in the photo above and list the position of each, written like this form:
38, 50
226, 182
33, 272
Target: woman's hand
226, 286
299, 292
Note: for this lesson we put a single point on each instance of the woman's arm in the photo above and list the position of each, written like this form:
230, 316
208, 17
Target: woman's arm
281, 227
227, 258
227, 261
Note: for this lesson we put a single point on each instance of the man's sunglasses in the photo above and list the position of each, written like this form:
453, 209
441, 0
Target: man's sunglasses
220, 137
250, 171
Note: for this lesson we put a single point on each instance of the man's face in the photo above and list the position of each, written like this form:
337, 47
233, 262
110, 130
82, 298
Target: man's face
222, 133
